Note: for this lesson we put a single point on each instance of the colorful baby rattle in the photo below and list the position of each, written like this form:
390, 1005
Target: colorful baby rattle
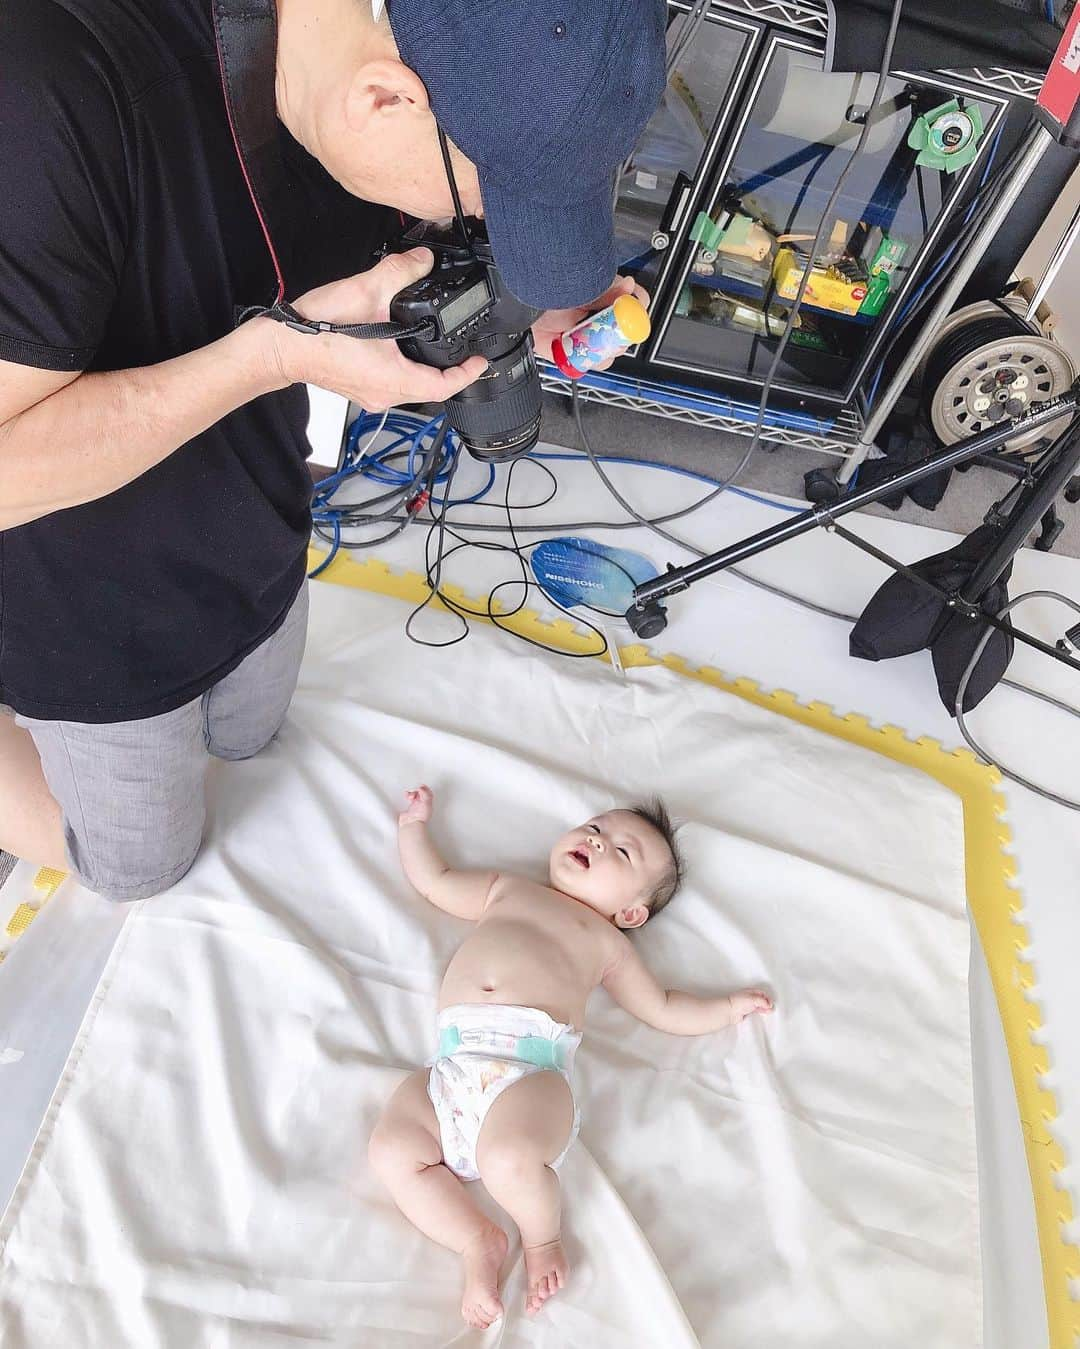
601, 337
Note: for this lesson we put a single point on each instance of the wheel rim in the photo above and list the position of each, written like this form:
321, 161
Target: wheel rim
983, 371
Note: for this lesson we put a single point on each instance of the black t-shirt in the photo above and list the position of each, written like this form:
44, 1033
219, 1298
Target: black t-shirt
127, 237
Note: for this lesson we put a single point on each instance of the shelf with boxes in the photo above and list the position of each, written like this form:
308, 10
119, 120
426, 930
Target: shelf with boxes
719, 202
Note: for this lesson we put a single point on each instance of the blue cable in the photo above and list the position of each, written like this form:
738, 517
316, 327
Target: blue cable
331, 554
412, 431
1049, 8
407, 430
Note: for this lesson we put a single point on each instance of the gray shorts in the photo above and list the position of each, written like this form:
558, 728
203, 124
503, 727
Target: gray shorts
132, 792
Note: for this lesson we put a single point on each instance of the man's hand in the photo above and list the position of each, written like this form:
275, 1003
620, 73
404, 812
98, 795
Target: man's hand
554, 322
418, 811
374, 374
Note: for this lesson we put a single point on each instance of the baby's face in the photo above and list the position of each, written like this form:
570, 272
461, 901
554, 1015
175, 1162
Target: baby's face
613, 864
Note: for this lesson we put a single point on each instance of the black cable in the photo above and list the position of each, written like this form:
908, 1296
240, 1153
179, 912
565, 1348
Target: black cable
526, 584
688, 32
671, 538
360, 514
434, 574
434, 569
434, 582
852, 618
815, 247
1066, 801
445, 148
985, 197
356, 545
921, 189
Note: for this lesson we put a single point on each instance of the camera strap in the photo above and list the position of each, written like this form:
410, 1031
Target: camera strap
283, 312
246, 35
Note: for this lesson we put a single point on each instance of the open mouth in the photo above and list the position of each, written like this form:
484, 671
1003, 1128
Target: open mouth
582, 858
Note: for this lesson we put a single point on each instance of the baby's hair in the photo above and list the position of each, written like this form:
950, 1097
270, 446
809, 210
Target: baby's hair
654, 812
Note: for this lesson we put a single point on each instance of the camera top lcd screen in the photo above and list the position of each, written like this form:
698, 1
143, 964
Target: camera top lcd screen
465, 307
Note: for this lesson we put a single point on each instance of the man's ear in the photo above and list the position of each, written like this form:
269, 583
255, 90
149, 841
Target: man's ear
632, 917
381, 85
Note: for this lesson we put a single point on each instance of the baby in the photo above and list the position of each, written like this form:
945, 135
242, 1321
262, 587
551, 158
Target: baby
497, 1103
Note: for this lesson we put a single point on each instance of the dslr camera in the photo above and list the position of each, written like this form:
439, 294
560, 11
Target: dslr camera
469, 312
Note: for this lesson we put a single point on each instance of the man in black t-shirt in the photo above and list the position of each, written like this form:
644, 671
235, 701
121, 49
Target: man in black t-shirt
154, 499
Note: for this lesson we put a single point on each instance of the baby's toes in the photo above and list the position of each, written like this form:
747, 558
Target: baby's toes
480, 1307
538, 1294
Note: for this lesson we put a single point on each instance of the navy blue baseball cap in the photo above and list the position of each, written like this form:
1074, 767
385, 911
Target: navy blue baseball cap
547, 98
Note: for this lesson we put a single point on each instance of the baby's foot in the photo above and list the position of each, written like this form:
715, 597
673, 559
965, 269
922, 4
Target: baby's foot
747, 1002
482, 1258
548, 1270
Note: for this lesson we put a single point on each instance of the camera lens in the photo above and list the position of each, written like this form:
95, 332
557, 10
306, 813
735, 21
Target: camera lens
498, 416
469, 312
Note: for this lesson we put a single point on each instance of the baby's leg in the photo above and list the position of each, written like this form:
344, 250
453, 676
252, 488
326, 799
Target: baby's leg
406, 1154
526, 1128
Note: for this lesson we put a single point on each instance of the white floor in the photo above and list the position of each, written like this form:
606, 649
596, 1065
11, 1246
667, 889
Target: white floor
200, 1179
723, 623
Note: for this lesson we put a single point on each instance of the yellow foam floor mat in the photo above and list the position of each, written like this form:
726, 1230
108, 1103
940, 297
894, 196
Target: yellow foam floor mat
45, 884
993, 897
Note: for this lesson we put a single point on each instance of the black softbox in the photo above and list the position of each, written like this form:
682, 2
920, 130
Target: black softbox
904, 616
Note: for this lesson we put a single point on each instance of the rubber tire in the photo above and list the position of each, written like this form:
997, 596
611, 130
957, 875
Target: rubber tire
820, 487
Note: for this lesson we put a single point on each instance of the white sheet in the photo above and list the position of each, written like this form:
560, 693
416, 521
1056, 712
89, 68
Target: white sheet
201, 1180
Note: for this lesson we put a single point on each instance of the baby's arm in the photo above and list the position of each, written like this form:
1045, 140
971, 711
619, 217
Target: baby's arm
633, 986
462, 893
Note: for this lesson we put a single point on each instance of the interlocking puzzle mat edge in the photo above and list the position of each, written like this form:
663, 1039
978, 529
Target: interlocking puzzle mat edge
45, 884
993, 896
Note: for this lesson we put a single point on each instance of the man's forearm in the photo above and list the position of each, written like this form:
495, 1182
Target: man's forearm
103, 430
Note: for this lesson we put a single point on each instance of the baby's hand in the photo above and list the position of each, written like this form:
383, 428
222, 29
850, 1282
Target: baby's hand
748, 1001
418, 811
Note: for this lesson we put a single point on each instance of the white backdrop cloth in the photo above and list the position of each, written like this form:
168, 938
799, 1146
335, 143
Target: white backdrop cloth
200, 1179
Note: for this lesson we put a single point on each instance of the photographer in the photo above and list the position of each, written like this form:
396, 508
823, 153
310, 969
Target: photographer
154, 496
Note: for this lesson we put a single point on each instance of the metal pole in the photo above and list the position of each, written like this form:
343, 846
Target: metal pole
1039, 141
1028, 509
679, 578
1060, 253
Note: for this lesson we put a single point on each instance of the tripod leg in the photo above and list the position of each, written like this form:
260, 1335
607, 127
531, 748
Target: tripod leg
1050, 532
1032, 503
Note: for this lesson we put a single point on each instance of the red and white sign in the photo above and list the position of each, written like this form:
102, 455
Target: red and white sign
1061, 88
